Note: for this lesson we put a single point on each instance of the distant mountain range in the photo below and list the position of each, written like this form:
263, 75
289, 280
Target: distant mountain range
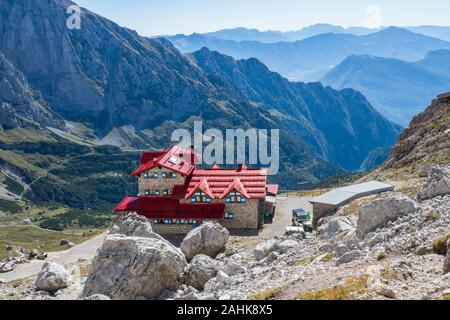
311, 58
71, 90
397, 88
244, 34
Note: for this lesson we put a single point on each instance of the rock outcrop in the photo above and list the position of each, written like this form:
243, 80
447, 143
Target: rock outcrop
447, 263
209, 239
265, 248
130, 268
379, 212
438, 184
52, 278
8, 265
338, 226
201, 269
133, 225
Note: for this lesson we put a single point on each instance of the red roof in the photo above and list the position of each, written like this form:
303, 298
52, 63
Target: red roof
272, 189
175, 158
251, 183
169, 208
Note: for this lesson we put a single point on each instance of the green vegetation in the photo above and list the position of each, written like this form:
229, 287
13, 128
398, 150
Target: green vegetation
440, 246
30, 237
9, 206
347, 291
13, 186
265, 295
77, 219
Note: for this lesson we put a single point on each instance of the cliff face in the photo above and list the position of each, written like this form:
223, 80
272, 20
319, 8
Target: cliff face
21, 106
427, 140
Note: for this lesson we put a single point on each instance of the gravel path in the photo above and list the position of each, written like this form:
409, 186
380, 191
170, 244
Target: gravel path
84, 250
283, 215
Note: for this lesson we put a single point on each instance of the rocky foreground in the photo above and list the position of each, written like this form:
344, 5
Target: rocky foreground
396, 247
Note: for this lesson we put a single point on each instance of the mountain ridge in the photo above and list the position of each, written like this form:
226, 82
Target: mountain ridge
399, 89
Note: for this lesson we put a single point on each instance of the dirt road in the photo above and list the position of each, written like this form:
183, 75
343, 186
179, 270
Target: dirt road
283, 216
84, 250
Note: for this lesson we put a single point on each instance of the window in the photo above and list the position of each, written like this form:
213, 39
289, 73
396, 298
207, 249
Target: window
155, 222
164, 175
165, 192
145, 175
156, 192
147, 192
200, 197
235, 197
229, 216
186, 221
178, 221
174, 175
155, 175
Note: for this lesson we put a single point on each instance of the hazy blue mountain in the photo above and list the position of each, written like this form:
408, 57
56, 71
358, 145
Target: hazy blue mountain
321, 28
398, 89
342, 126
244, 34
432, 31
311, 58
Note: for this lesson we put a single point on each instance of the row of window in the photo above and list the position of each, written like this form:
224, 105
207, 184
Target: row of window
165, 192
164, 175
228, 216
233, 197
176, 221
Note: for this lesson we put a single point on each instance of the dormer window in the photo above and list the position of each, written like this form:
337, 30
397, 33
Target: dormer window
200, 197
235, 197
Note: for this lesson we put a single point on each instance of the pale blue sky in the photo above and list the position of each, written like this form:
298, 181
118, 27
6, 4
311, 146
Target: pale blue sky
160, 17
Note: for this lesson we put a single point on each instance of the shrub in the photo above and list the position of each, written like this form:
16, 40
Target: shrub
440, 246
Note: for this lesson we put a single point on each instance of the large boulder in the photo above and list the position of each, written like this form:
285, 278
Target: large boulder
201, 269
381, 211
8, 265
128, 268
133, 225
265, 248
438, 184
447, 263
338, 226
209, 239
52, 278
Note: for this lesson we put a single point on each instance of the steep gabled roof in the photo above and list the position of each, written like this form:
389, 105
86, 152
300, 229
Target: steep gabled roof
202, 186
251, 183
175, 159
235, 185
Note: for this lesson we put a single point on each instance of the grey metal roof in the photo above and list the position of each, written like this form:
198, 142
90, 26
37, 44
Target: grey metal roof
340, 196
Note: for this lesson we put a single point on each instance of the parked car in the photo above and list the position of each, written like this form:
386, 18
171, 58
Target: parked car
302, 218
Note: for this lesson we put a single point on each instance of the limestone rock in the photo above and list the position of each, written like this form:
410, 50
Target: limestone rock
287, 245
381, 211
52, 278
133, 225
209, 239
338, 226
127, 268
97, 297
8, 265
447, 263
438, 184
201, 269
348, 257
263, 249
232, 268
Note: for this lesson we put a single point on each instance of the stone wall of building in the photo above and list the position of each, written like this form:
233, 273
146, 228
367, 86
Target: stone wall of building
171, 229
161, 183
321, 210
246, 215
